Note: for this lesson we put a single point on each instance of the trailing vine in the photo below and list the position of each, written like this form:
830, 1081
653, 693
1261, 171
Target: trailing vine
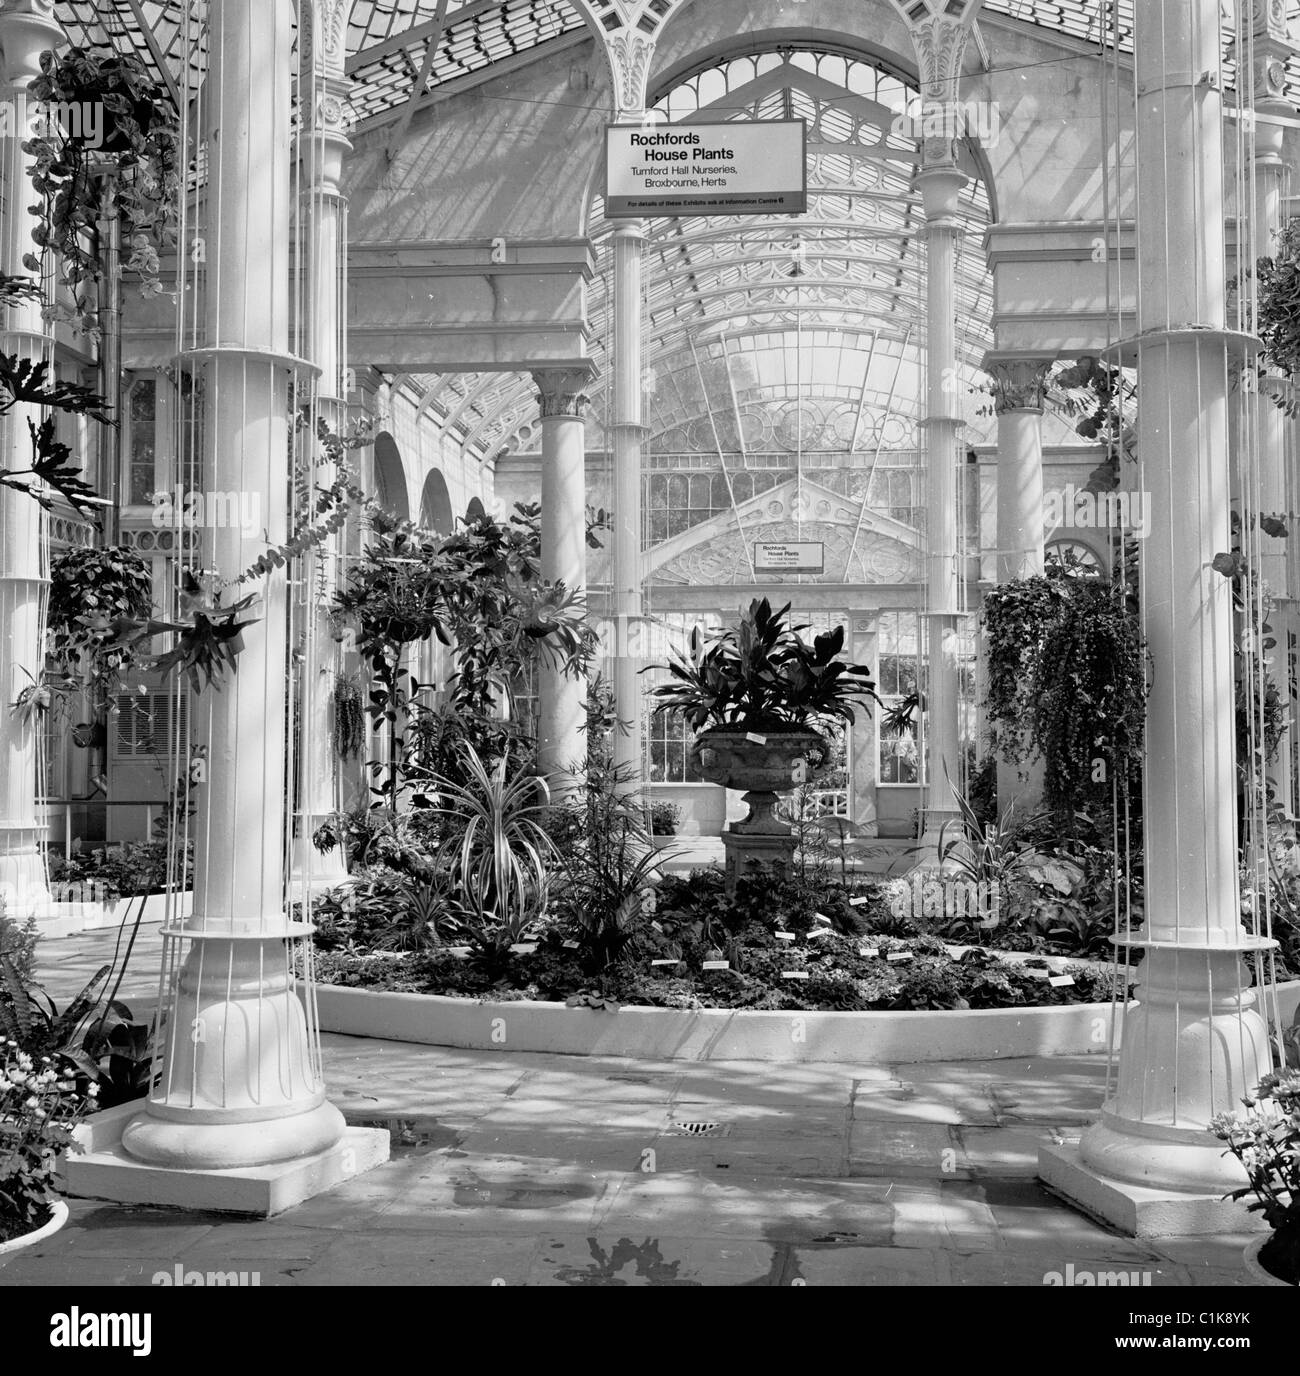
1067, 681
135, 136
349, 716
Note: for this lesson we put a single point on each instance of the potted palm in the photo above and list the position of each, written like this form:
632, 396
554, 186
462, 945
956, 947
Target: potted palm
754, 695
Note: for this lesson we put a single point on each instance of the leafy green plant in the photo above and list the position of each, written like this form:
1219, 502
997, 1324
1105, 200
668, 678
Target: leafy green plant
479, 591
762, 674
32, 382
497, 850
606, 869
141, 145
995, 856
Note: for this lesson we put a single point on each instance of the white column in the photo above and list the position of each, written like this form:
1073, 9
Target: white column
561, 705
323, 148
1272, 47
1019, 383
27, 28
240, 1084
625, 543
940, 183
1197, 1044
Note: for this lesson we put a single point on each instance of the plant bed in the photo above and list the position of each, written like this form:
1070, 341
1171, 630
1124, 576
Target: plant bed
815, 973
717, 1034
13, 1241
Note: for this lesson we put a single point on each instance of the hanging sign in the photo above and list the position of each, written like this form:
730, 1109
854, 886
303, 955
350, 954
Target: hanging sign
752, 167
800, 556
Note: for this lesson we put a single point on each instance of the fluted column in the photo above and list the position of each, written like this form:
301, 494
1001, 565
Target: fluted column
27, 28
940, 43
561, 698
1019, 382
1196, 1045
240, 1084
625, 544
323, 147
1272, 46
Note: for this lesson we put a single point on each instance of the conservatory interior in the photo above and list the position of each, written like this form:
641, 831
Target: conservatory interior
535, 682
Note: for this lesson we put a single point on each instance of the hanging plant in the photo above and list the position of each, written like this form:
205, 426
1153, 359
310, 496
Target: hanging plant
1066, 680
349, 716
91, 591
118, 120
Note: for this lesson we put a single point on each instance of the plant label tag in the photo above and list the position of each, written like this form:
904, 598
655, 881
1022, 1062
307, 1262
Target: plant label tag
665, 962
897, 956
869, 951
716, 965
821, 917
784, 936
1060, 981
820, 932
1039, 974
754, 738
859, 902
794, 974
570, 945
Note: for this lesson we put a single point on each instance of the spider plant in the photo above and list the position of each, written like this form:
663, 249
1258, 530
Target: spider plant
995, 856
497, 849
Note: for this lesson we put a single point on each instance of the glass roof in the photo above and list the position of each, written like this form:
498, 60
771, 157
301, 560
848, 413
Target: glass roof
826, 307
389, 41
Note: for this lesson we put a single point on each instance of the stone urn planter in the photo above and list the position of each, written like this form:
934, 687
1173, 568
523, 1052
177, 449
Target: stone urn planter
58, 1217
1256, 1269
762, 764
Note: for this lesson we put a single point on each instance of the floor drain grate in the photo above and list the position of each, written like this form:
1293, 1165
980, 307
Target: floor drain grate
699, 1129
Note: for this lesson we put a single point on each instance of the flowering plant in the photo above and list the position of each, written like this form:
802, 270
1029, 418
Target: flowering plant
39, 1107
1266, 1140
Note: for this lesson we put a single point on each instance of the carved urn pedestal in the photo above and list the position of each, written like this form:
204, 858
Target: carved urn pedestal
763, 764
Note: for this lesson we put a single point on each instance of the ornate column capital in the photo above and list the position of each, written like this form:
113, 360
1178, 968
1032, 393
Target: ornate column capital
630, 52
940, 45
562, 391
1019, 379
324, 37
27, 29
1272, 44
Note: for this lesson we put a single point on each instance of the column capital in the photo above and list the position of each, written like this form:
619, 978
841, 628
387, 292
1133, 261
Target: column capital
629, 52
562, 391
27, 29
323, 37
940, 46
1019, 379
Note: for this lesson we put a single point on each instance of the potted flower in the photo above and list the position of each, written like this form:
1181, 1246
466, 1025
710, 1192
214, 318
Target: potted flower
40, 1105
1265, 1138
754, 695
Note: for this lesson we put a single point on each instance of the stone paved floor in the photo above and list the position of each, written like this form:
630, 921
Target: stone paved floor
524, 1169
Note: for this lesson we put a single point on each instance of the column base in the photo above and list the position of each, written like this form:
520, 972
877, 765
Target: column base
181, 1142
1141, 1210
107, 1171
